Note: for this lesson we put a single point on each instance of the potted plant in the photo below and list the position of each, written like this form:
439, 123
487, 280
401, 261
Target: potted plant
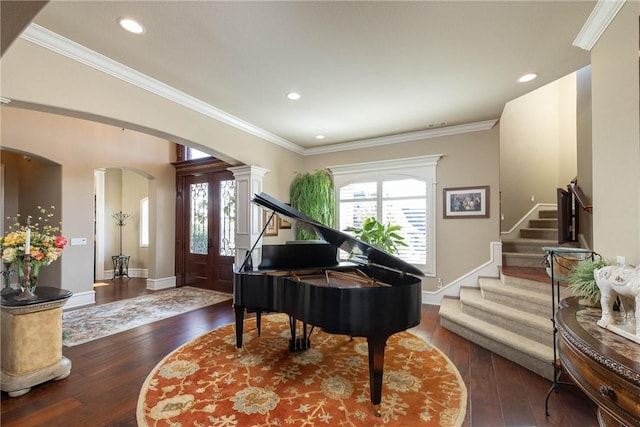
382, 236
581, 281
312, 194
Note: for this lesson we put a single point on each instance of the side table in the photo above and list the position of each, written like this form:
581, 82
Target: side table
32, 340
120, 265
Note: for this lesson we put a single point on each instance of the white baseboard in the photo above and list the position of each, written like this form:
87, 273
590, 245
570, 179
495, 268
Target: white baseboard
489, 269
81, 299
133, 272
164, 283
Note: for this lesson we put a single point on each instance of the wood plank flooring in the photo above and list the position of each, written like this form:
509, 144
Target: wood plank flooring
107, 374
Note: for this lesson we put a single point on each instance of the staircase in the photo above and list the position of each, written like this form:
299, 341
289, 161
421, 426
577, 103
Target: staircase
511, 315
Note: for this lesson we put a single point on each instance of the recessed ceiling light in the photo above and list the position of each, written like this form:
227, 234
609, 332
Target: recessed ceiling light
294, 96
319, 136
131, 25
527, 78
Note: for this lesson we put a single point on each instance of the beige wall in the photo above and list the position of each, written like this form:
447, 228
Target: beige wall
538, 129
616, 138
83, 91
537, 148
123, 191
584, 151
468, 160
82, 146
31, 182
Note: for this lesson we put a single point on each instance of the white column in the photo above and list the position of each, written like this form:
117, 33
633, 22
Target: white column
248, 216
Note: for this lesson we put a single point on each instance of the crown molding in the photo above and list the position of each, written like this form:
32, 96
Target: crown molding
600, 18
56, 43
403, 137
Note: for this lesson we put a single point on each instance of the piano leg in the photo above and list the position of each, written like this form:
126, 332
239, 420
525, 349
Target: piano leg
376, 346
239, 323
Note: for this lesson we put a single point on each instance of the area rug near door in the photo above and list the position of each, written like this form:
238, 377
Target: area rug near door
99, 321
208, 382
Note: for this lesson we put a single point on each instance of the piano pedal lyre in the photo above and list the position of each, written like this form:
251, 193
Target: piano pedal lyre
299, 344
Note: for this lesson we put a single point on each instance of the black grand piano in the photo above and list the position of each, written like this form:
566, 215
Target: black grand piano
373, 295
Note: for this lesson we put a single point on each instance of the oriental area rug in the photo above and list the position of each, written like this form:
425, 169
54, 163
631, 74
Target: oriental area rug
99, 321
208, 382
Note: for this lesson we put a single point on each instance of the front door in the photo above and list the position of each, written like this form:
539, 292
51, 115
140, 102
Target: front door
208, 230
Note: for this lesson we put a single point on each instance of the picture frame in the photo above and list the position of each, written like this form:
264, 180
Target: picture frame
271, 221
283, 224
466, 202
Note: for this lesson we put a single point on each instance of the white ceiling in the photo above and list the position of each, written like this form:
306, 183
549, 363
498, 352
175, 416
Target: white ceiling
364, 69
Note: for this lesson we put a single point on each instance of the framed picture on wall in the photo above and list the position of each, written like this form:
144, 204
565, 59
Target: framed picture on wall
283, 223
466, 202
272, 226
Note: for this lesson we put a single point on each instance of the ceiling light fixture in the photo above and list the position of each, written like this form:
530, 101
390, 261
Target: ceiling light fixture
527, 78
131, 25
294, 96
319, 136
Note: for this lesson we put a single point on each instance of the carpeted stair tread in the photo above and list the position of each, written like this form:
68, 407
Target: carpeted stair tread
527, 352
538, 328
473, 297
531, 301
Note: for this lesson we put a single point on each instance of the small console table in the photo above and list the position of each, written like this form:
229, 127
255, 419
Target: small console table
120, 265
32, 340
605, 365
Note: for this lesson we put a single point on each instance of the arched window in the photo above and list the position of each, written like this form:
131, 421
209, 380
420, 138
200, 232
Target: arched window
400, 192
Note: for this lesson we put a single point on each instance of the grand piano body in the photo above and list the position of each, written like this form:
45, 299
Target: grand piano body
373, 298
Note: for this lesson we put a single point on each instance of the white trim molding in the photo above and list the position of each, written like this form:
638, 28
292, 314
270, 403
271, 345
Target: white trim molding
489, 269
56, 43
75, 51
81, 299
600, 18
163, 283
403, 137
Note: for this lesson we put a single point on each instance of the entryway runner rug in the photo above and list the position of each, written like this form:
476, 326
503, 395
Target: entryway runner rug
208, 382
99, 321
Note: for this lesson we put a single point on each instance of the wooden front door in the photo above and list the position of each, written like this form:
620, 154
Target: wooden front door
205, 230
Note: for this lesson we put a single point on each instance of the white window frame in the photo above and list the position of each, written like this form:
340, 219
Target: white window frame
422, 168
144, 222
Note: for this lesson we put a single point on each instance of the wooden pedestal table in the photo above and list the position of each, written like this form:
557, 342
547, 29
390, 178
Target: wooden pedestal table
32, 340
606, 366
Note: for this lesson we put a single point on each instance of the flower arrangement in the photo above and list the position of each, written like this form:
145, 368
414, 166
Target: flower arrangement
46, 243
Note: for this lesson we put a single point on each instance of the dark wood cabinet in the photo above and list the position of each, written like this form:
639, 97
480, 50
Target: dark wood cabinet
605, 366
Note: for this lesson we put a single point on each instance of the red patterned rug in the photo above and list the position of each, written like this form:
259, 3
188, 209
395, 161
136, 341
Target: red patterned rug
208, 382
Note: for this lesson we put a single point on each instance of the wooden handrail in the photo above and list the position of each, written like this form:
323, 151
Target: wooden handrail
580, 197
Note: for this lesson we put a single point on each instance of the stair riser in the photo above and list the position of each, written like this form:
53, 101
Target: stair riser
526, 284
543, 336
528, 306
548, 214
543, 368
525, 246
543, 223
521, 260
539, 233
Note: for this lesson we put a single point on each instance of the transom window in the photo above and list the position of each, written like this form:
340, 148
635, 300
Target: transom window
400, 192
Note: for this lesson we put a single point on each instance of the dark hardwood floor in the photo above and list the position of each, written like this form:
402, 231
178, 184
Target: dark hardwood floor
107, 374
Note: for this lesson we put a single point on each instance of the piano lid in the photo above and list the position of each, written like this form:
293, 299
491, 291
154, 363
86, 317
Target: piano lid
359, 249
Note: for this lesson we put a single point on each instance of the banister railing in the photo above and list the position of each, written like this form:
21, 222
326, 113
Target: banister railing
569, 201
579, 196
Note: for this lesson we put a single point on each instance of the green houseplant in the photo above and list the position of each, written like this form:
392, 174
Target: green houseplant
312, 194
582, 283
382, 236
